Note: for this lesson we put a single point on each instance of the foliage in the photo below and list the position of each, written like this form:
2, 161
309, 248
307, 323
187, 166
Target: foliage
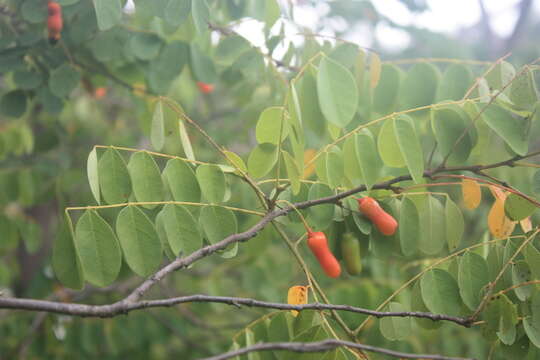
444, 147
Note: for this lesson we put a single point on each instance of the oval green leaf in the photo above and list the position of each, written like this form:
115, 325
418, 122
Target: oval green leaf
182, 181
440, 292
271, 123
181, 229
146, 178
114, 179
473, 275
337, 92
98, 249
262, 159
212, 182
139, 241
410, 146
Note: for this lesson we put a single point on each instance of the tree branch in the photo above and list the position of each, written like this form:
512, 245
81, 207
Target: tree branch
122, 307
325, 345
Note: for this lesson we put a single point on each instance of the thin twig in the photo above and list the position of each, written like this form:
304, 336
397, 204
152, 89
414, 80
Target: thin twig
326, 345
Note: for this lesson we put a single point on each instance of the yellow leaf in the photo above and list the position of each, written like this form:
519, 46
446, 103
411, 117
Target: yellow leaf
297, 295
472, 194
499, 224
374, 70
526, 225
309, 154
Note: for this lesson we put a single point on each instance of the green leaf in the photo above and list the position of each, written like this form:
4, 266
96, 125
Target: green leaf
202, 66
420, 86
236, 160
455, 225
409, 227
167, 66
522, 274
417, 304
139, 241
212, 182
292, 172
271, 12
367, 154
33, 11
448, 124
337, 92
320, 216
501, 316
114, 179
27, 80
262, 159
145, 178
181, 229
177, 11
518, 208
200, 14
13, 103
163, 238
218, 223
309, 104
334, 166
65, 260
271, 123
512, 130
230, 48
410, 146
98, 249
388, 146
532, 257
395, 328
385, 95
500, 75
473, 275
531, 319
63, 80
456, 80
440, 292
108, 13
351, 164
523, 91
536, 182
157, 131
432, 223
186, 142
182, 181
145, 46
92, 173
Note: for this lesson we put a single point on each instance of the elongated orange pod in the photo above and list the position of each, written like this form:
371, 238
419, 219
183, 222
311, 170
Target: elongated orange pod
384, 222
318, 245
54, 21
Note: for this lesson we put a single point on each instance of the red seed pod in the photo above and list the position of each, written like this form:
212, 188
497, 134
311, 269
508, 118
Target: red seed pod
54, 21
205, 88
384, 222
318, 245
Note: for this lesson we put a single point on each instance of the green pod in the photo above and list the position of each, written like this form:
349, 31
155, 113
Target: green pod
350, 251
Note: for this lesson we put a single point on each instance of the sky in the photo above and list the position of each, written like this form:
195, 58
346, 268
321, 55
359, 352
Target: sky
447, 16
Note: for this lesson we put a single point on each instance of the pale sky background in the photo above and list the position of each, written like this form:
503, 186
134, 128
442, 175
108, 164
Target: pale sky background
447, 16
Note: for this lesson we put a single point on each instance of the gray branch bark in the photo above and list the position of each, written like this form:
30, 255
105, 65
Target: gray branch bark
326, 345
